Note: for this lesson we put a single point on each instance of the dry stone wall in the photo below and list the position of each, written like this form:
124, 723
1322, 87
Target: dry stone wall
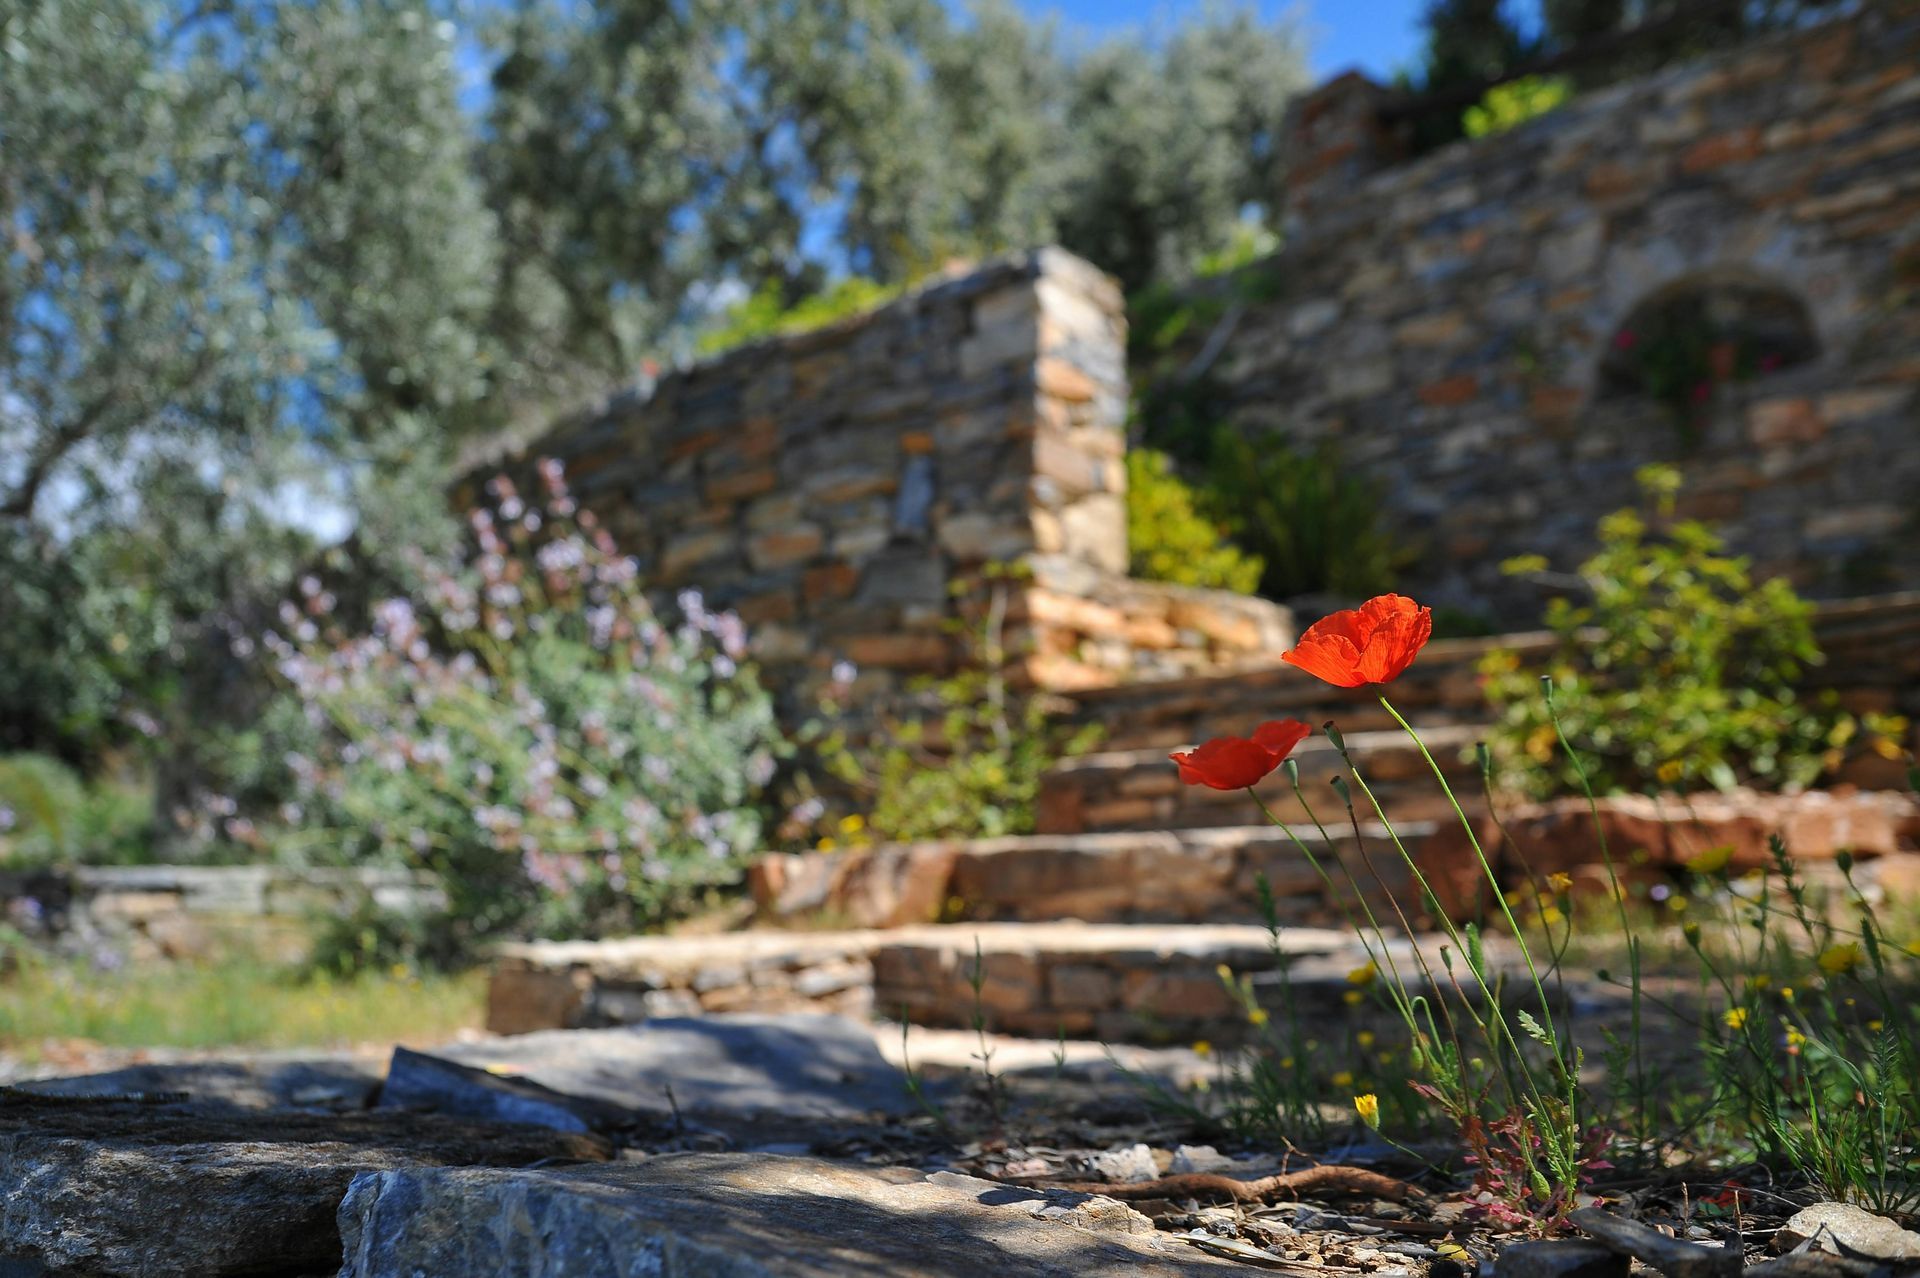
1447, 321
843, 489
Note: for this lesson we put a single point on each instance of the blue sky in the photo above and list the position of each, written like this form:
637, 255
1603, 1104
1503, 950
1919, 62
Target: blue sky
1378, 36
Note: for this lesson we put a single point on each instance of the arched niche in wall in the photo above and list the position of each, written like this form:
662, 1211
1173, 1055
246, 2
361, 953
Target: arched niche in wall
1682, 345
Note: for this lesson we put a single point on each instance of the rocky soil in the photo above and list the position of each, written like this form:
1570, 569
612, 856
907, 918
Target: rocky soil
785, 1147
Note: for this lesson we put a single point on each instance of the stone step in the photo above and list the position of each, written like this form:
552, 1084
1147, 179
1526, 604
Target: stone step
1114, 982
1190, 875
1141, 789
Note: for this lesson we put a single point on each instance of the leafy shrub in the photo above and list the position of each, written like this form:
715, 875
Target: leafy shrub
1510, 105
1168, 537
1678, 671
768, 314
49, 814
1315, 525
561, 760
964, 763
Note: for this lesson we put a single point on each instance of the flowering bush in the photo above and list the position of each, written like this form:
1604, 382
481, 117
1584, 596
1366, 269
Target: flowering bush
560, 759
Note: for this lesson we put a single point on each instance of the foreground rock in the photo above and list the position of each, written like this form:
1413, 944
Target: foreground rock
106, 1187
1556, 1258
735, 1216
797, 1070
1655, 1250
264, 1081
1845, 1230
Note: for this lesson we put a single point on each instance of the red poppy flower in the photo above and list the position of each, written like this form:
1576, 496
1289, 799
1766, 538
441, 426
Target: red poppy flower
1234, 763
1373, 643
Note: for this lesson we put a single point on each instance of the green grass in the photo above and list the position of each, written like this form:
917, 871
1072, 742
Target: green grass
237, 1003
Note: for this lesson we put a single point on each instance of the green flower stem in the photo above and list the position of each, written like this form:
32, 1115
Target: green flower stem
1493, 880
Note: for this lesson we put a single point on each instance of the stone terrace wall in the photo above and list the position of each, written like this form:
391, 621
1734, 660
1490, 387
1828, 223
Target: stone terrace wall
842, 489
1444, 320
147, 912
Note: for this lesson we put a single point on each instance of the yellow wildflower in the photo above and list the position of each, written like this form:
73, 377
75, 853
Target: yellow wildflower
1838, 960
826, 844
1364, 975
1786, 992
1712, 861
1258, 1016
1551, 915
1559, 882
1875, 1027
1224, 972
852, 823
1759, 982
1368, 1107
1735, 1017
1670, 771
1343, 1079
1203, 1048
1353, 998
1364, 1038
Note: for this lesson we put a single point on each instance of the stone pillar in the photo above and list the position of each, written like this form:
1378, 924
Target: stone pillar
1078, 492
1333, 137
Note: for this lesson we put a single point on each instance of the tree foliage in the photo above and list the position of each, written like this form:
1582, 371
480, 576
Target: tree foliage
268, 270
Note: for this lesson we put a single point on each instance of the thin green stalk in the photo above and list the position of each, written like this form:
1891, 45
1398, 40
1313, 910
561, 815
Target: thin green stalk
1493, 880
1635, 1042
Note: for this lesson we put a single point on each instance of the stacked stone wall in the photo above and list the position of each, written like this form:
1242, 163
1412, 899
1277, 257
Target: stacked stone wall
1446, 321
843, 490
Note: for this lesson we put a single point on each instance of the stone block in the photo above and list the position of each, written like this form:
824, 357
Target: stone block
1439, 330
978, 536
1095, 529
1790, 420
693, 549
1177, 995
828, 581
521, 999
1450, 392
927, 653
1062, 380
848, 483
1721, 149
771, 605
785, 547
741, 485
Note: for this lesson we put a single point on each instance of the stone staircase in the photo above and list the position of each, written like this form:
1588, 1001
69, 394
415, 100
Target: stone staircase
1112, 922
1113, 919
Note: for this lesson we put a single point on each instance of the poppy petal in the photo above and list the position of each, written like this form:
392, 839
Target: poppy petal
1332, 658
1282, 735
1225, 763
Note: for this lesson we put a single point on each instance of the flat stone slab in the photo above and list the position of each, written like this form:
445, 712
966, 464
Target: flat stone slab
738, 1216
251, 1083
104, 1188
800, 1067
